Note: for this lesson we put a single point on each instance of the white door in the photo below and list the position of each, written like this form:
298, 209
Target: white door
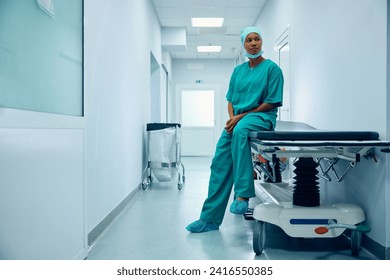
283, 49
196, 112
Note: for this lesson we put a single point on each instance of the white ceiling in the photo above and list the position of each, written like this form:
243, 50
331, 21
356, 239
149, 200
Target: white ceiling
237, 13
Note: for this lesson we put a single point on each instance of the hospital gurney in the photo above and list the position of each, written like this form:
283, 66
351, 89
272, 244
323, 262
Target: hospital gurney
296, 208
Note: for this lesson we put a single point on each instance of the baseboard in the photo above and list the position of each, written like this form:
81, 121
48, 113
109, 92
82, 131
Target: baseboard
82, 255
94, 234
378, 250
387, 253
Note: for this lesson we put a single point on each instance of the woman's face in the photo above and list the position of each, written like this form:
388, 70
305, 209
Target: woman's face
253, 43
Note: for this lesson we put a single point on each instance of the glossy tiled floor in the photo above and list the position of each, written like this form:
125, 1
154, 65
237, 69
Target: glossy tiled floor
152, 227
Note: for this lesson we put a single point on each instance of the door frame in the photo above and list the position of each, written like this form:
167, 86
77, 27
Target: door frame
217, 105
283, 41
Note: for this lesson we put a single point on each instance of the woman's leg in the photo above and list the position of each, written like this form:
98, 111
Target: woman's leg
220, 183
241, 154
220, 186
232, 160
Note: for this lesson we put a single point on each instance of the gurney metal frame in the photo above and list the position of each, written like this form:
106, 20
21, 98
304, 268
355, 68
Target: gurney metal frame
298, 140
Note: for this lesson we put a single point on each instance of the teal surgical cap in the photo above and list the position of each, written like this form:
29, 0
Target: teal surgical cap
248, 30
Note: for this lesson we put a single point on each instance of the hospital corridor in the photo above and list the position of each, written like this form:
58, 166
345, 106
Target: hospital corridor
153, 228
292, 96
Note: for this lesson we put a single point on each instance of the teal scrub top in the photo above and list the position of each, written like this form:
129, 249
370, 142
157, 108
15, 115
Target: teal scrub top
249, 87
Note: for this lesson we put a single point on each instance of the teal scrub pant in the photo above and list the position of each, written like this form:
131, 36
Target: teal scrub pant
232, 165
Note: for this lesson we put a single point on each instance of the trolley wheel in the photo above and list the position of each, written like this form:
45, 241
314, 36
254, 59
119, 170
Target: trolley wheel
259, 236
144, 186
356, 241
179, 180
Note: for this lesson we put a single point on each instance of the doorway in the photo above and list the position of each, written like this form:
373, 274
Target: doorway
197, 111
155, 90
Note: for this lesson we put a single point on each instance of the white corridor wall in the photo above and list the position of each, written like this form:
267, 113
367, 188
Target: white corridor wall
339, 82
117, 83
62, 176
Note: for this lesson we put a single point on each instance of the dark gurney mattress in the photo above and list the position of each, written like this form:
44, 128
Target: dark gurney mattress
307, 139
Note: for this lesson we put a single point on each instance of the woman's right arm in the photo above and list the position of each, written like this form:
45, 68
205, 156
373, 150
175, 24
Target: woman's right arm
230, 110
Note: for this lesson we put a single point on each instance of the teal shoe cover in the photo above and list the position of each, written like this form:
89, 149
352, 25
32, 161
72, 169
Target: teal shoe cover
239, 207
201, 226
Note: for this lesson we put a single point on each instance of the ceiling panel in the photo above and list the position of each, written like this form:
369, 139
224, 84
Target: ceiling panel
173, 12
237, 13
247, 3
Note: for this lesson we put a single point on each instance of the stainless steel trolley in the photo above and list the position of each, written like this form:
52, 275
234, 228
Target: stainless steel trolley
164, 153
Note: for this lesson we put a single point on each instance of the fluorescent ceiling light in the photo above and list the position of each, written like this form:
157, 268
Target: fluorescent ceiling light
209, 48
207, 22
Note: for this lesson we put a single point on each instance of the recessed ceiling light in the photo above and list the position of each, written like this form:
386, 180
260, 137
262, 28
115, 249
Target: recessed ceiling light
207, 22
209, 48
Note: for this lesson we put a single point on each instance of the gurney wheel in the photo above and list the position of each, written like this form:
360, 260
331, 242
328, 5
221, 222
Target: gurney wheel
356, 240
179, 186
259, 236
249, 214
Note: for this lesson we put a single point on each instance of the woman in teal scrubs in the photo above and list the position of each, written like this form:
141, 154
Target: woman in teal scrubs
254, 95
